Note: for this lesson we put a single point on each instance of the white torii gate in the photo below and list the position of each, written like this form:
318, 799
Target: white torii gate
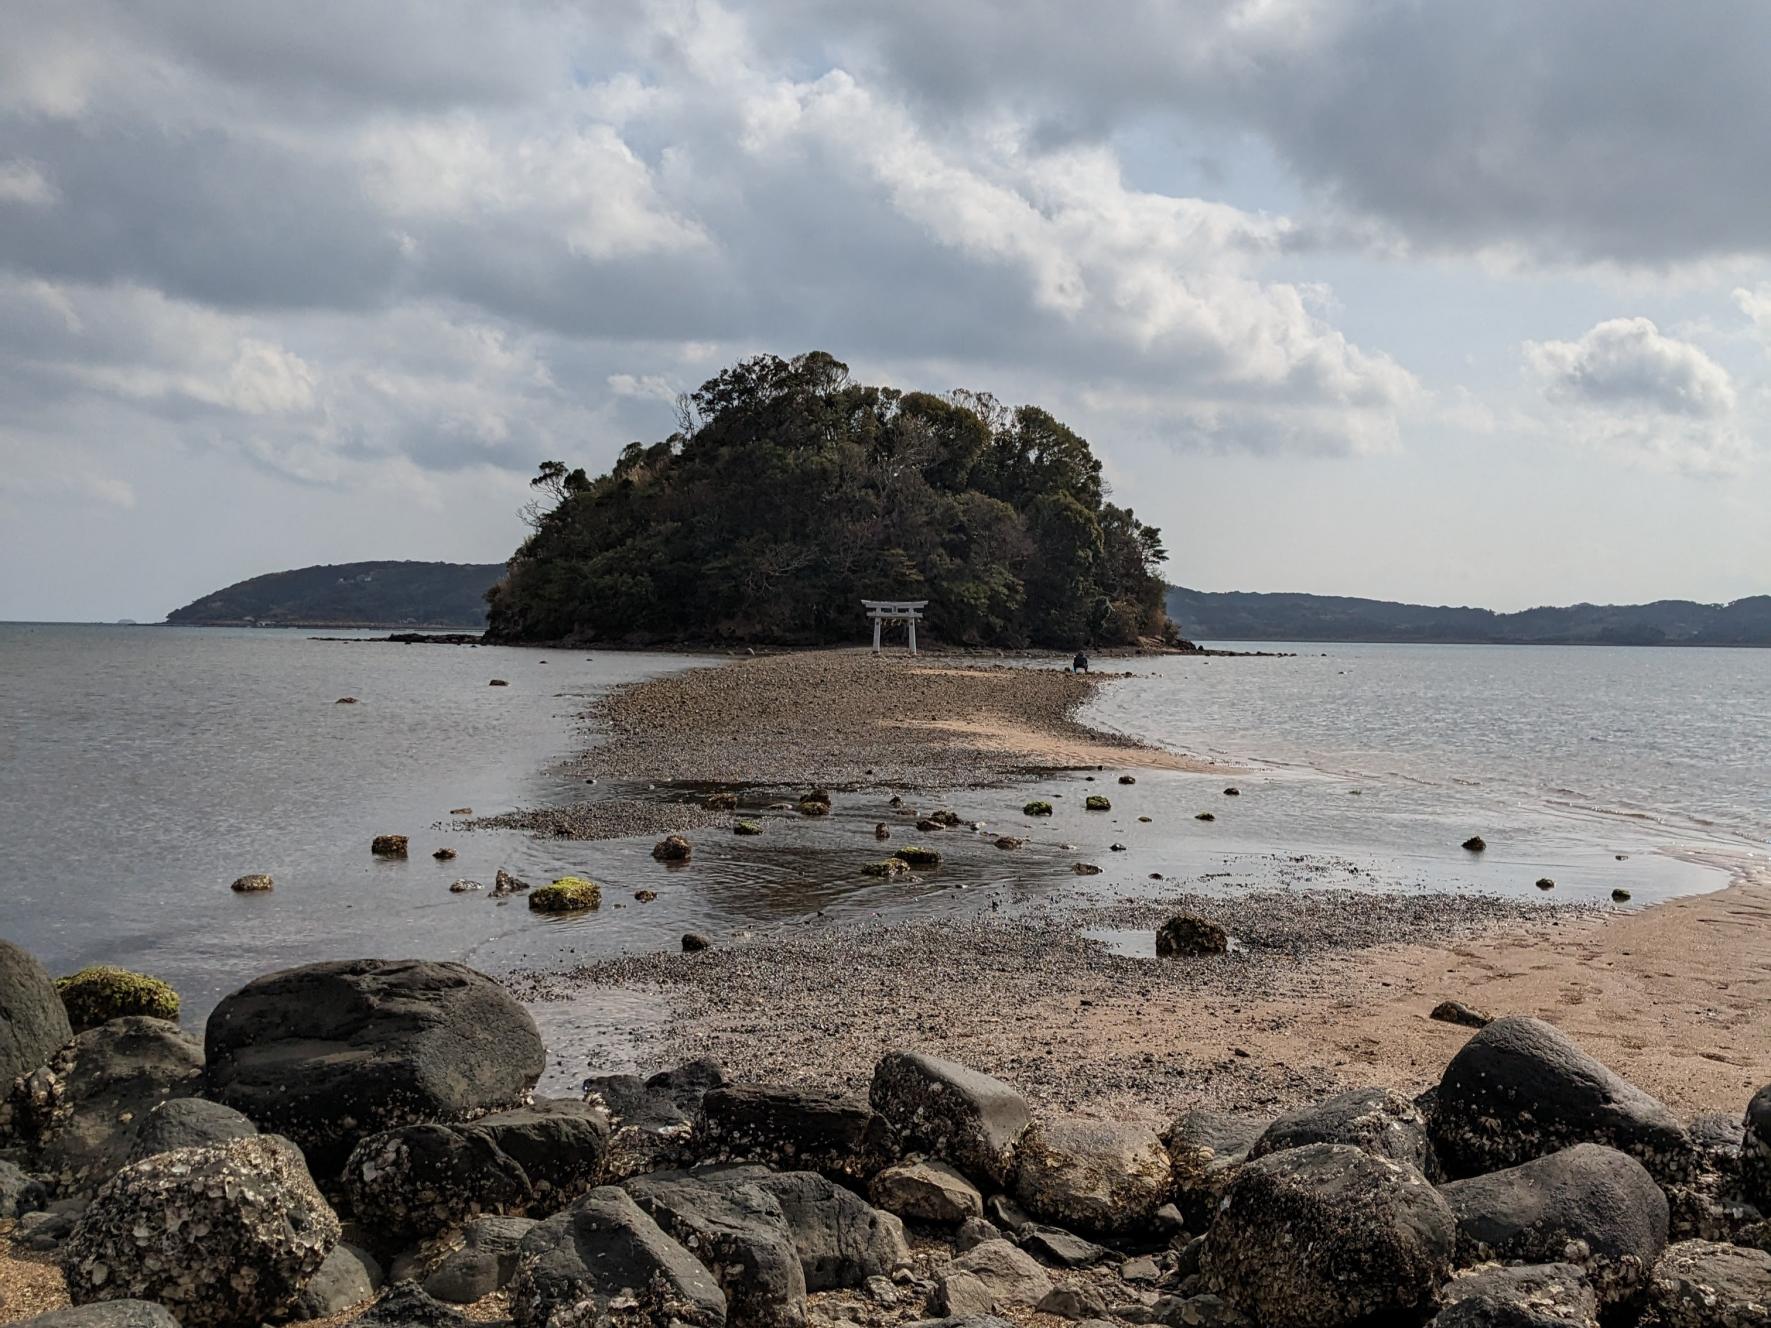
894, 610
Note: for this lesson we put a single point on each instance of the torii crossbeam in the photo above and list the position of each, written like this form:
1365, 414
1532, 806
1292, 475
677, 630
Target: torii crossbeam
894, 610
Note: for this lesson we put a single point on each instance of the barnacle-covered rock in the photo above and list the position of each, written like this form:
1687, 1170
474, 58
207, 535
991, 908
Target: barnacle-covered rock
222, 1234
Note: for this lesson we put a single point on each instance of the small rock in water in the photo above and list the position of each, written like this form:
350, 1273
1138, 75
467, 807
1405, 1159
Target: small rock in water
1038, 807
1128, 779
388, 846
645, 896
1475, 843
464, 887
929, 823
1545, 883
1234, 792
882, 831
506, 884
1456, 1012
569, 894
1086, 869
253, 883
747, 828
720, 802
672, 848
461, 811
1205, 816
1009, 841
345, 700
1096, 803
1116, 848
444, 855
1620, 895
498, 682
1144, 820
694, 941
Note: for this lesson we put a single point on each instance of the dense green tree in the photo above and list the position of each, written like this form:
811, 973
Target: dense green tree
791, 492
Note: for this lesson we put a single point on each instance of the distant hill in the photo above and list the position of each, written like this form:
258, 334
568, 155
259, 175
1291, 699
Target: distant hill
1245, 616
390, 594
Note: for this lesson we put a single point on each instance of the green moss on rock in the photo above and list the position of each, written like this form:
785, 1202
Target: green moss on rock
1096, 803
1038, 807
747, 828
886, 867
100, 993
569, 894
918, 856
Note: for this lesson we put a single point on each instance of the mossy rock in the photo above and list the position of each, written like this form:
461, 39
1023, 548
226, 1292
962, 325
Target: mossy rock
946, 818
569, 894
886, 867
388, 846
100, 993
916, 855
1038, 807
1096, 803
747, 828
812, 807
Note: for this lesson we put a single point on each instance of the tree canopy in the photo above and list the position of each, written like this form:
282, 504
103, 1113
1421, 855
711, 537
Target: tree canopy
791, 492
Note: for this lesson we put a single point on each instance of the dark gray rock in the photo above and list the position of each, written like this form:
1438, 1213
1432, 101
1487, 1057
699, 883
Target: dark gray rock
45, 1229
1205, 1311
1062, 1249
809, 1129
20, 1193
841, 1238
992, 1276
1456, 1012
562, 1146
405, 1305
347, 1278
975, 1231
410, 1183
1374, 1119
962, 1321
1185, 934
1006, 1213
1079, 1301
687, 1084
1755, 1149
224, 1234
739, 1232
926, 1191
1104, 1176
1204, 1149
603, 1256
33, 1021
104, 1314
486, 1260
1521, 1089
650, 1122
188, 1122
330, 1053
1701, 1284
1552, 1295
78, 1115
1327, 1234
957, 1114
1588, 1205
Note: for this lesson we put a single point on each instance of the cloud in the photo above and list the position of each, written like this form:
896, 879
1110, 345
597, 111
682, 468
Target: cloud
1627, 386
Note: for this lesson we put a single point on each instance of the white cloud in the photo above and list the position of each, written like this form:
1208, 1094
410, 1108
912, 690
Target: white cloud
1627, 386
24, 182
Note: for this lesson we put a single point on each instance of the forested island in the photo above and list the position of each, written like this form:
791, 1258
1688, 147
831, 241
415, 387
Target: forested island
790, 492
372, 594
1246, 616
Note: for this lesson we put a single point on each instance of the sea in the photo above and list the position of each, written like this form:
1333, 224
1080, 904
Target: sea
143, 769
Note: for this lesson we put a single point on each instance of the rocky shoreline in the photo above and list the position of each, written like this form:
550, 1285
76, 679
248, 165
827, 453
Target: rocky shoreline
360, 1142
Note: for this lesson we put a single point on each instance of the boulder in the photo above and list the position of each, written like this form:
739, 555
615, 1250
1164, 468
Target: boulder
100, 993
77, 1116
188, 1122
1588, 1205
1521, 1089
1102, 1176
33, 1021
1204, 1149
486, 1260
104, 1314
842, 1239
975, 1231
957, 1114
1184, 934
410, 1183
330, 1053
1551, 1295
222, 1234
602, 1258
810, 1128
1328, 1235
1700, 1284
926, 1191
347, 1278
562, 1146
569, 894
1374, 1119
1060, 1248
672, 848
651, 1120
19, 1193
1755, 1149
738, 1231
990, 1277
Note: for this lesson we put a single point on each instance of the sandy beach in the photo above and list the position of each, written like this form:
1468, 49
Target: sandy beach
1331, 985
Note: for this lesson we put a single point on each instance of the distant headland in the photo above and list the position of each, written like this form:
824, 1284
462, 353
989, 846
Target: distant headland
373, 594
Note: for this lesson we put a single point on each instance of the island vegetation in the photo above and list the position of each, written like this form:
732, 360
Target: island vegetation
790, 491
373, 594
1244, 616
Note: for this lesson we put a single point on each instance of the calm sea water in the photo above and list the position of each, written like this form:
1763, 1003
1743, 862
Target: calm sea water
143, 768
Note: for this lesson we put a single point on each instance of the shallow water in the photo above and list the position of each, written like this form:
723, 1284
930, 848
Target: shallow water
143, 769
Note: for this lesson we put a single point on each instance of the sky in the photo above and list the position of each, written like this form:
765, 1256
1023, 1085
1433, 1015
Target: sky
1449, 303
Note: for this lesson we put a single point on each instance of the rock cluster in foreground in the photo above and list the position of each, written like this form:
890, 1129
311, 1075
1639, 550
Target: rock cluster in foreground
344, 1119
